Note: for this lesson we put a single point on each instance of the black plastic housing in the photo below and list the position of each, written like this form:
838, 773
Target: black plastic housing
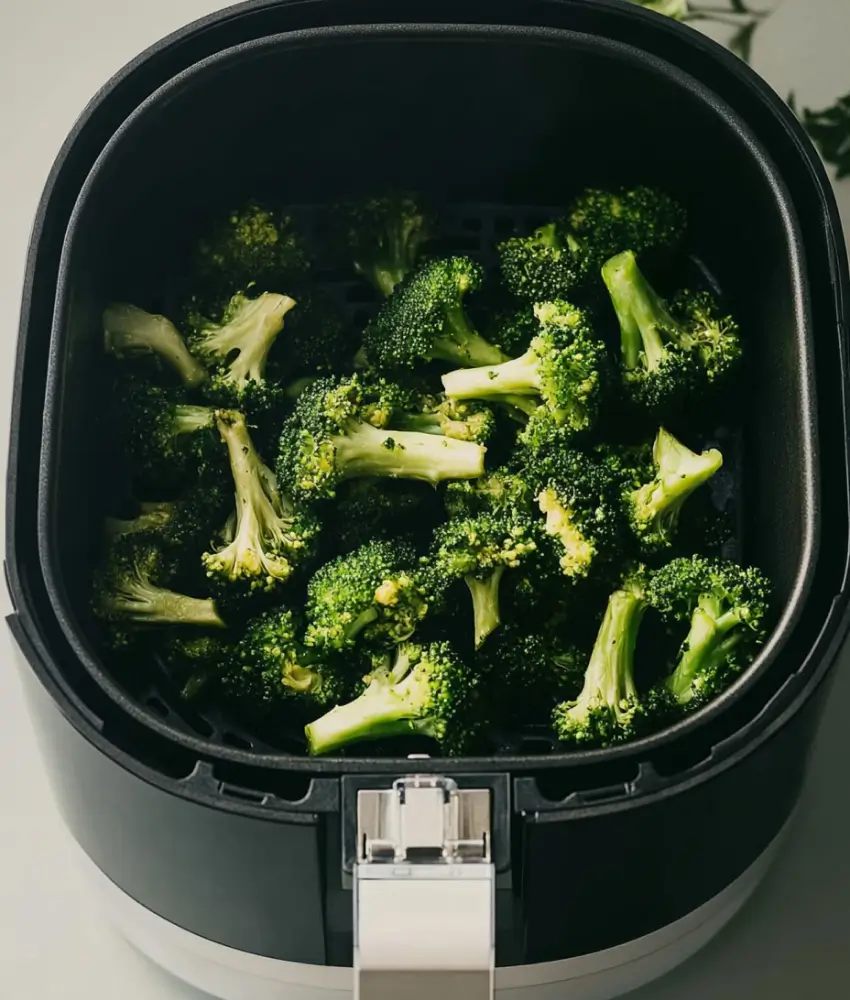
158, 815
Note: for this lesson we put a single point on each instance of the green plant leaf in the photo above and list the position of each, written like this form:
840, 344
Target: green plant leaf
829, 130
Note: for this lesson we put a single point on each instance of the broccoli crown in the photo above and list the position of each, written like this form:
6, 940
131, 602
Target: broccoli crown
654, 507
165, 438
631, 465
337, 431
424, 319
384, 237
271, 536
583, 512
725, 606
526, 674
272, 664
236, 350
563, 367
374, 594
193, 660
669, 352
422, 690
130, 332
478, 549
500, 491
317, 341
607, 709
512, 327
565, 254
131, 588
251, 243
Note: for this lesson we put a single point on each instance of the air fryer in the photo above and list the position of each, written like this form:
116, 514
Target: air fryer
252, 871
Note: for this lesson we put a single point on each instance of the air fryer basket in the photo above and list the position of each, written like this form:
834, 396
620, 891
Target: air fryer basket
271, 828
127, 250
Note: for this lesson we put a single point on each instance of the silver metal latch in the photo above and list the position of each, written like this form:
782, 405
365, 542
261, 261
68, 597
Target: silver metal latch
424, 892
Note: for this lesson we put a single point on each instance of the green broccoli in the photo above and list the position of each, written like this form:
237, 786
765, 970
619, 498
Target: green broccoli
381, 508
130, 332
564, 368
563, 256
606, 709
501, 491
478, 550
669, 353
236, 351
384, 237
375, 594
270, 537
654, 507
420, 691
131, 589
337, 431
725, 607
425, 319
194, 658
462, 420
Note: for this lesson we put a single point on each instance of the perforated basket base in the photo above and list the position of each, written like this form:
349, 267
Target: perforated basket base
475, 230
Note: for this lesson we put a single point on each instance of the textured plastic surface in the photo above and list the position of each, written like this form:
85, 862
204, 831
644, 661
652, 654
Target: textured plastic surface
163, 199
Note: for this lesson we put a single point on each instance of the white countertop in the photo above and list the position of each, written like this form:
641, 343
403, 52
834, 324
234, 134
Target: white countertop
791, 941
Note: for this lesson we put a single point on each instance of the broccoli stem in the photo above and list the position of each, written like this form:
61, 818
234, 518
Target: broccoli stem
519, 377
128, 329
461, 344
188, 419
641, 312
365, 451
383, 711
485, 603
144, 604
360, 622
680, 472
609, 680
384, 278
251, 332
707, 645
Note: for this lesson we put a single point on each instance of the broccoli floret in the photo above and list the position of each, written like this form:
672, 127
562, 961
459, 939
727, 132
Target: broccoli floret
236, 350
194, 660
654, 507
318, 339
381, 508
131, 589
464, 420
478, 550
425, 319
421, 691
564, 255
166, 439
580, 500
605, 710
500, 491
526, 674
251, 244
338, 432
375, 594
564, 368
676, 9
129, 331
512, 329
384, 237
152, 519
271, 664
725, 606
669, 353
271, 537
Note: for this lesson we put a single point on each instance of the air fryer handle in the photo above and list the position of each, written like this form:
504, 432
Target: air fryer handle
424, 883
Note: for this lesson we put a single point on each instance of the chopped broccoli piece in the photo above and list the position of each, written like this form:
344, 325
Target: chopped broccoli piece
374, 594
129, 331
478, 550
500, 491
725, 607
462, 420
271, 537
422, 691
425, 319
563, 256
131, 589
564, 368
193, 660
669, 353
382, 508
338, 432
605, 710
384, 237
654, 507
